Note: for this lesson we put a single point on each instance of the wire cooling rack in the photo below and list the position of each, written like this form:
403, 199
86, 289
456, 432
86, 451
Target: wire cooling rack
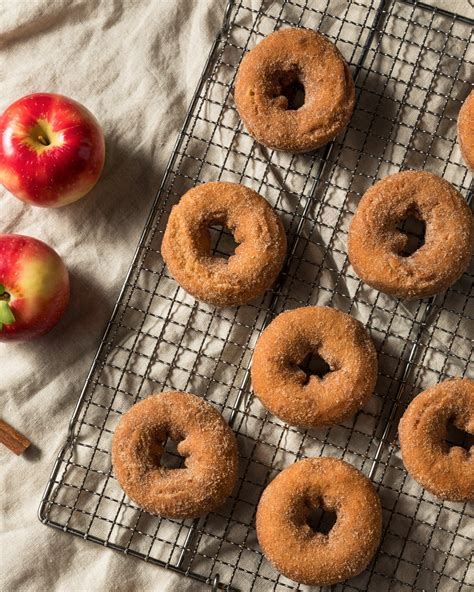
411, 65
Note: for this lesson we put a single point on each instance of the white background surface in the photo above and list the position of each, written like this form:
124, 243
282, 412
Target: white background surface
134, 64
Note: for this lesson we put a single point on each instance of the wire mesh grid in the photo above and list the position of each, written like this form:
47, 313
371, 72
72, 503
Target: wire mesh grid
411, 65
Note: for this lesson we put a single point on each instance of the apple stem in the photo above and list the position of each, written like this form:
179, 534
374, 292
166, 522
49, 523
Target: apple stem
6, 314
4, 295
43, 140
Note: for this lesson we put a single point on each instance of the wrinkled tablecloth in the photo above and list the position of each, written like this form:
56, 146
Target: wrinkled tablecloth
134, 64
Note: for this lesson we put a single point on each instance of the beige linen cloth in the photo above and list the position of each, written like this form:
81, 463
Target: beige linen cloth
134, 64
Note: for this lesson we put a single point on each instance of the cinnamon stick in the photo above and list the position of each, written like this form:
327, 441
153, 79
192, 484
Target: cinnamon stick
13, 439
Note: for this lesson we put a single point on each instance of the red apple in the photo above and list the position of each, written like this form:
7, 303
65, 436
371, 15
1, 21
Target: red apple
51, 150
34, 287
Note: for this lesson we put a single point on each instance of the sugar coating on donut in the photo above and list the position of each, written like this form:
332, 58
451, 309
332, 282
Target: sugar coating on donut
466, 130
447, 472
283, 58
375, 245
293, 547
310, 401
204, 439
258, 257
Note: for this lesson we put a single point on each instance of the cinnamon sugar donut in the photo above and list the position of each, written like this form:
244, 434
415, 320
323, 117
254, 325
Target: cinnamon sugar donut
258, 257
204, 439
466, 130
375, 245
309, 401
303, 554
447, 472
269, 74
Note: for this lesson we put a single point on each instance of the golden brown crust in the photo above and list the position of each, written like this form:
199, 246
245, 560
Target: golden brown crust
284, 57
466, 130
447, 472
204, 439
293, 547
258, 257
284, 388
375, 244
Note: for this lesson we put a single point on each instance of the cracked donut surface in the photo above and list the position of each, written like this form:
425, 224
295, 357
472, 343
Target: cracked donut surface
257, 230
446, 471
286, 390
466, 130
264, 82
308, 556
203, 438
376, 245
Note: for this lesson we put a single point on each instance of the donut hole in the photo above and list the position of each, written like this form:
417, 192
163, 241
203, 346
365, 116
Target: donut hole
320, 518
458, 437
414, 228
314, 365
290, 91
222, 241
170, 458
295, 95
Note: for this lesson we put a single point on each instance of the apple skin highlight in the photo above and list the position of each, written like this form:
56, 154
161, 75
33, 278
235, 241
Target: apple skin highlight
36, 284
52, 150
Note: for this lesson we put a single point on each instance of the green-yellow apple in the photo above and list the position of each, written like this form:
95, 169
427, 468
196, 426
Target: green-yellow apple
51, 150
34, 287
